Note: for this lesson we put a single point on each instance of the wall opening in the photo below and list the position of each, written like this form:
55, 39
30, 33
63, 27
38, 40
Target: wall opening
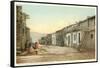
79, 37
91, 36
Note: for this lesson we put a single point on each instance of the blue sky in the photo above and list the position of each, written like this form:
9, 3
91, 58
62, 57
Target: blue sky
50, 18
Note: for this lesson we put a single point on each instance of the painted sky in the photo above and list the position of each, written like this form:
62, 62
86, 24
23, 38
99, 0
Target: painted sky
50, 18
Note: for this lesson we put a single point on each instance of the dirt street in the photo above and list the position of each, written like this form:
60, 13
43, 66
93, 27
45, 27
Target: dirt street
55, 53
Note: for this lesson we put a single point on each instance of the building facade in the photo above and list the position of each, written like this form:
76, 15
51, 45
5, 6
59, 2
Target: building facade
81, 35
43, 40
72, 36
28, 38
22, 31
53, 38
89, 33
59, 38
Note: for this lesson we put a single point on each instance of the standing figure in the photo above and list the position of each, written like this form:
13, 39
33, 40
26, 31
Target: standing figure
29, 48
36, 47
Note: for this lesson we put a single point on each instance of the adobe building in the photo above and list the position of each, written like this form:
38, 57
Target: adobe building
89, 35
81, 35
43, 40
72, 36
22, 31
59, 38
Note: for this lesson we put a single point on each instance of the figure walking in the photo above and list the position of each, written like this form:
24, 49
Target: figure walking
36, 47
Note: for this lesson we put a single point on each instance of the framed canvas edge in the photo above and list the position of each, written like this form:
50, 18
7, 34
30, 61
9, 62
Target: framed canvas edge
12, 64
12, 47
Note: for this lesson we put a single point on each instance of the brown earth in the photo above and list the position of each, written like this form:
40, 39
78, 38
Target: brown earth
55, 53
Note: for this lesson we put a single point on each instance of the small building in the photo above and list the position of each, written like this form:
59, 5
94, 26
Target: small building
43, 40
49, 39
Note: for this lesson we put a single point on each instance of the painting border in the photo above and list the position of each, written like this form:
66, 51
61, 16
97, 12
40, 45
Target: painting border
12, 35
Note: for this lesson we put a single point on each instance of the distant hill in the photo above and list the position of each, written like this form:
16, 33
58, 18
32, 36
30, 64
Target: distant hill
36, 36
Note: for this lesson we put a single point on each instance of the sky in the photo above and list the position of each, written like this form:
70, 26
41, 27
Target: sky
50, 18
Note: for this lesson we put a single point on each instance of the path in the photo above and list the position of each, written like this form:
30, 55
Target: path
55, 53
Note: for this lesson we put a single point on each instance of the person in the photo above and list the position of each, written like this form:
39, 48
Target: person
36, 47
29, 48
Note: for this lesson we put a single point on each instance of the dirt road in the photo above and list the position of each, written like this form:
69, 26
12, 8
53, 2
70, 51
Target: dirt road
55, 53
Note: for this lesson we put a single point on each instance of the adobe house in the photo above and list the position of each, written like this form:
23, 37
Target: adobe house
81, 35
43, 40
89, 36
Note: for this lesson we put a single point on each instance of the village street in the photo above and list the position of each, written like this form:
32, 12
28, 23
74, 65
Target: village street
55, 53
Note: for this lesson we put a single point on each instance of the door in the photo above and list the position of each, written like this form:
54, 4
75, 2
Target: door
69, 40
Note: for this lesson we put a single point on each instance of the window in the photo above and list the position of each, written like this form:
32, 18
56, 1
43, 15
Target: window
91, 36
68, 39
79, 37
23, 30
